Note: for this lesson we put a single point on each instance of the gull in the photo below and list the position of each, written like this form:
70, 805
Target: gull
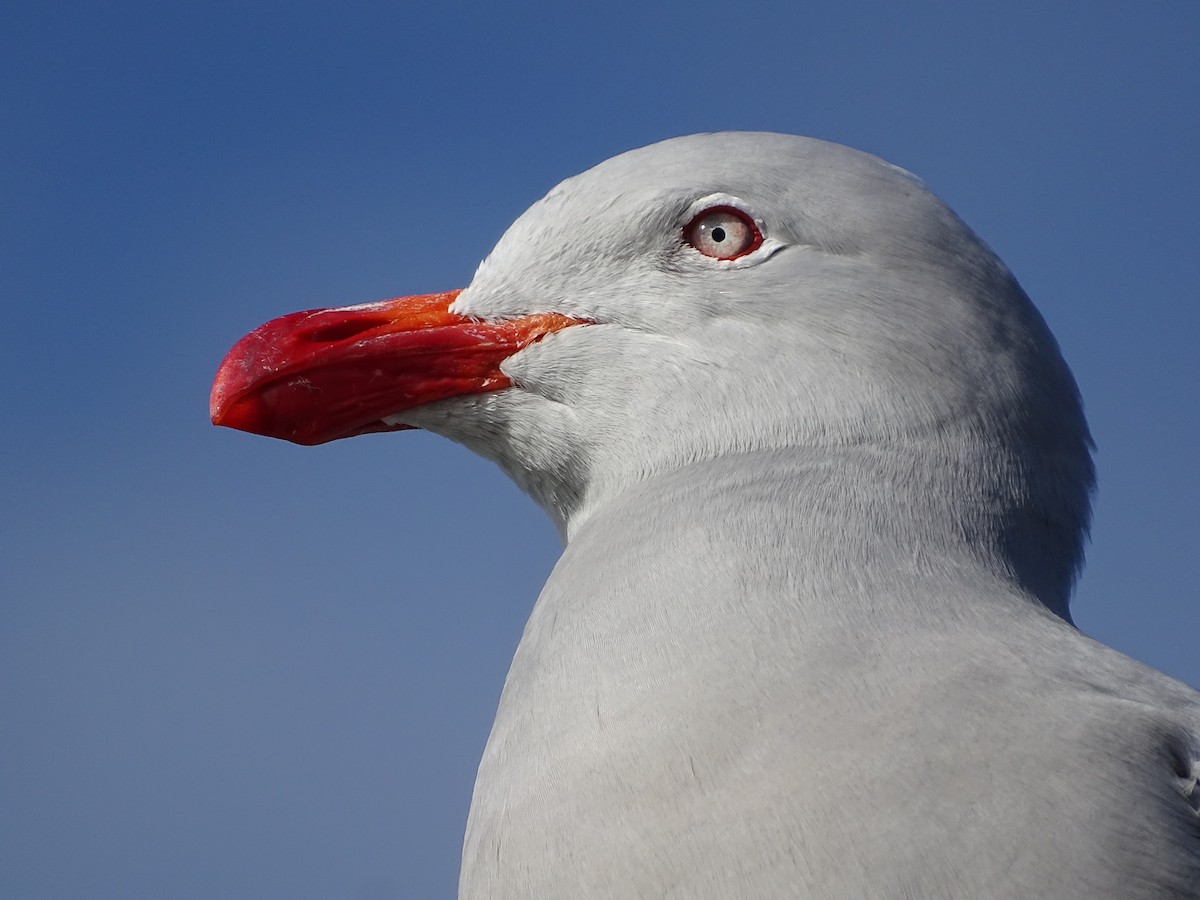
823, 480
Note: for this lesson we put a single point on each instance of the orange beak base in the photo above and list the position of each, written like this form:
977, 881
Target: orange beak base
316, 376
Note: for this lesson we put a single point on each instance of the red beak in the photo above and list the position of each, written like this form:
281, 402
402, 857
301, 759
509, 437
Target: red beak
316, 376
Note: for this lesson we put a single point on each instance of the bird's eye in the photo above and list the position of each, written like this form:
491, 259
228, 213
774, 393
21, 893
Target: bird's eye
723, 232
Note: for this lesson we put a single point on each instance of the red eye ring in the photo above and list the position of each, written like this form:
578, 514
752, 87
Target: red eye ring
723, 232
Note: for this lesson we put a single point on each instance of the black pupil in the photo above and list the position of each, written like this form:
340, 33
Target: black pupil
718, 234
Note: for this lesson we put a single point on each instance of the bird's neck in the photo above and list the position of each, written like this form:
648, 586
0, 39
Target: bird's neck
866, 514
690, 602
705, 620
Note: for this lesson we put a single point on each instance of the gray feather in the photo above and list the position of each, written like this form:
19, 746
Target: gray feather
823, 509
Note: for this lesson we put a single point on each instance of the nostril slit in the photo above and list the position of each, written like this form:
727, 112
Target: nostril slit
343, 331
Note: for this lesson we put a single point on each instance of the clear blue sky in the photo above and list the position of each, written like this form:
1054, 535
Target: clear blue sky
231, 667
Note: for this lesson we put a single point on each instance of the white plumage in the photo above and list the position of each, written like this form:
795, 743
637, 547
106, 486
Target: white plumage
823, 506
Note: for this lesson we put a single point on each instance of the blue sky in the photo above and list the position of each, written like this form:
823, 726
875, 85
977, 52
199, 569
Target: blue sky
231, 667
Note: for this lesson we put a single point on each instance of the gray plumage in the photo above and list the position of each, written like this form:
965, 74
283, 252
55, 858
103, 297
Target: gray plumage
823, 506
